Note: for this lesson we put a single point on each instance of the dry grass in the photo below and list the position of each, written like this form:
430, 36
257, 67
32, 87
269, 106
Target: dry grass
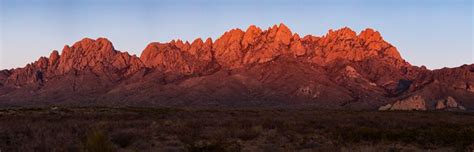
159, 129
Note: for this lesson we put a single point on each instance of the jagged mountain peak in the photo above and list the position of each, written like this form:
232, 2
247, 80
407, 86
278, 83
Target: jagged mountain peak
339, 69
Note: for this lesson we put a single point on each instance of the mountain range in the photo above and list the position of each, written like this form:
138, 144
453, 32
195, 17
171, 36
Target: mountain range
257, 68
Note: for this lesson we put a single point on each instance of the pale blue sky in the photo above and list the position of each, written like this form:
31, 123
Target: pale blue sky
435, 33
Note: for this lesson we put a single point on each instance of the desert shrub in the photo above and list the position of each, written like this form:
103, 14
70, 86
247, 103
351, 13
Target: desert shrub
271, 123
97, 141
460, 137
205, 146
248, 133
123, 138
214, 146
354, 134
152, 129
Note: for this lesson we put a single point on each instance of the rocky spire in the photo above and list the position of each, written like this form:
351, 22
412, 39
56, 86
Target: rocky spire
53, 58
341, 66
228, 49
250, 36
283, 34
234, 49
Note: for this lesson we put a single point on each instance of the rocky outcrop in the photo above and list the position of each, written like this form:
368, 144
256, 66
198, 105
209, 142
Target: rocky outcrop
270, 44
228, 49
98, 56
346, 44
448, 104
350, 72
461, 78
179, 57
411, 103
4, 74
237, 48
419, 103
342, 69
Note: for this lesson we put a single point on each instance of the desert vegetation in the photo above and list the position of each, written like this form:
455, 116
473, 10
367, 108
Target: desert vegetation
223, 129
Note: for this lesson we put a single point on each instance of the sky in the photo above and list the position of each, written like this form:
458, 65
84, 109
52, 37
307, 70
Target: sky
434, 33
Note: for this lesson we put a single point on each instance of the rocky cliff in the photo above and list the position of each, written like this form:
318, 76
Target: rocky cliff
255, 67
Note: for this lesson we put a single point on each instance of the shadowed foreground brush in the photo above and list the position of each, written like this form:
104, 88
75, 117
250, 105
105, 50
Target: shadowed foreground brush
97, 141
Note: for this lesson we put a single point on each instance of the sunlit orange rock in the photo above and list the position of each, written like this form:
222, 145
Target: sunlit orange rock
341, 69
228, 49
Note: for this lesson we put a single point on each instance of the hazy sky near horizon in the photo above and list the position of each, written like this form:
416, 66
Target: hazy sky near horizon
435, 33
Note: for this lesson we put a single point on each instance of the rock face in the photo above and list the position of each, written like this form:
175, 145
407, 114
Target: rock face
448, 104
411, 103
341, 69
97, 56
179, 57
419, 103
